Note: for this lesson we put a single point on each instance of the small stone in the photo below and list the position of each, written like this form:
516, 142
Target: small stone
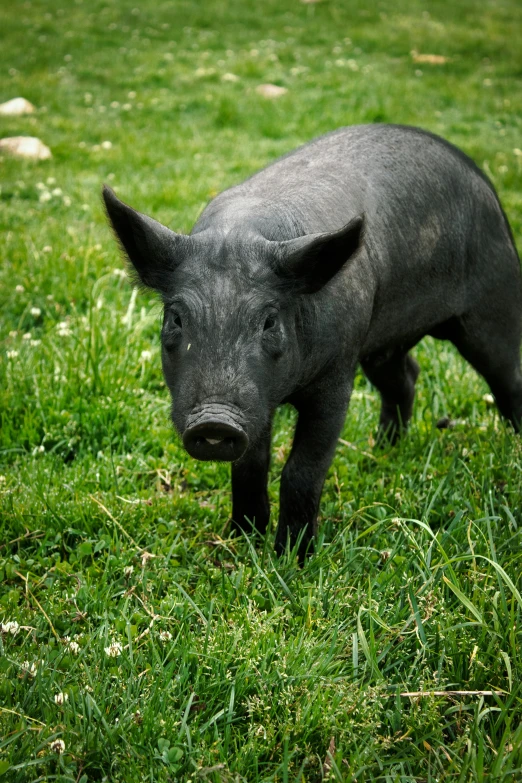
28, 147
271, 90
16, 107
431, 59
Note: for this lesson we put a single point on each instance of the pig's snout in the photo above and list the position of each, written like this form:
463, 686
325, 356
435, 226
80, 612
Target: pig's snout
215, 434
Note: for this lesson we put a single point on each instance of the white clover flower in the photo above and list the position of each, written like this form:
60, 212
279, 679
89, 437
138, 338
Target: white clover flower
35, 311
127, 106
40, 186
74, 647
131, 94
47, 249
19, 289
30, 668
57, 746
229, 77
51, 181
165, 636
106, 145
57, 192
34, 343
115, 104
128, 570
26, 336
13, 333
67, 201
145, 356
2, 481
62, 329
113, 650
11, 626
61, 698
12, 354
45, 196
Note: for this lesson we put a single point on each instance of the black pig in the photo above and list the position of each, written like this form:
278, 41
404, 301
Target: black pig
348, 250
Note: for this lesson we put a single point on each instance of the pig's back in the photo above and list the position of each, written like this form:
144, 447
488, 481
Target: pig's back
389, 172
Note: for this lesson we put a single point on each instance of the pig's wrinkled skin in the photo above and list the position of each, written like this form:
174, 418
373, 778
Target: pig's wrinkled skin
348, 250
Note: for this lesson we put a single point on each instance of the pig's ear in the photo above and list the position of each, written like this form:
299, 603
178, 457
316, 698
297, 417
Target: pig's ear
153, 249
311, 261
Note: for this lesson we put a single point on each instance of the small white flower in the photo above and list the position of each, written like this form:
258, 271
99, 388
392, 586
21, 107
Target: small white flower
74, 647
19, 289
26, 336
2, 481
12, 354
165, 636
127, 106
40, 186
229, 77
131, 94
63, 330
61, 698
45, 196
488, 399
145, 356
57, 746
34, 343
47, 249
35, 311
51, 181
11, 626
127, 571
106, 145
113, 650
30, 668
13, 333
57, 192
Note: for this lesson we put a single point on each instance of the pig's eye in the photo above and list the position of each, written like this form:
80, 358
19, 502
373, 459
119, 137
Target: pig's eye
177, 321
270, 321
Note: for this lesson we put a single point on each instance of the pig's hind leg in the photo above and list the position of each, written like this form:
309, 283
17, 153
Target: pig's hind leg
489, 339
394, 374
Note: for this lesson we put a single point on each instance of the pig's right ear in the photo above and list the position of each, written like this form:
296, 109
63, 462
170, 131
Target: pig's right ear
153, 249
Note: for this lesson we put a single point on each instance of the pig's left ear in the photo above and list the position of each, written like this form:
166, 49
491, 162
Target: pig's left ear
312, 260
153, 249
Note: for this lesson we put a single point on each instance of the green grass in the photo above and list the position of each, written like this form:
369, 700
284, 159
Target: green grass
236, 666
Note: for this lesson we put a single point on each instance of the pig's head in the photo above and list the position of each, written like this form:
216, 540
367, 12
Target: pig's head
231, 325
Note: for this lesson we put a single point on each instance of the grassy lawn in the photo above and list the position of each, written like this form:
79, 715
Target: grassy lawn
150, 643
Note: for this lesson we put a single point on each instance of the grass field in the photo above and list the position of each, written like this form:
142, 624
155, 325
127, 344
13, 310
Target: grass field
150, 645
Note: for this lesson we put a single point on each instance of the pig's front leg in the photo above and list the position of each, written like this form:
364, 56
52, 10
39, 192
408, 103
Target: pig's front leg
321, 418
250, 506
